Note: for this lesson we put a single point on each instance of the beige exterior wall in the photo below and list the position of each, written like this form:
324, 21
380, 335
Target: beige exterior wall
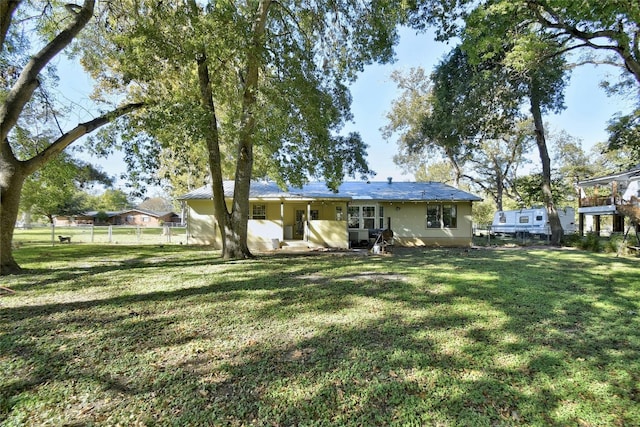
408, 222
262, 233
201, 225
324, 232
330, 234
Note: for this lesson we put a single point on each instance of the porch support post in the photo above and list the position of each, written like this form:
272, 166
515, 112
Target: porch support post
282, 221
306, 228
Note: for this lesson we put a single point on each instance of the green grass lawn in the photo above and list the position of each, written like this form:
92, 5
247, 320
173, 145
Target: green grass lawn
142, 335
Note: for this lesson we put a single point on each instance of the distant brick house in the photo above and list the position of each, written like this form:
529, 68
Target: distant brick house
141, 217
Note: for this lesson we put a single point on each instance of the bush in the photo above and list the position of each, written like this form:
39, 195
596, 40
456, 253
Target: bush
573, 240
615, 243
591, 242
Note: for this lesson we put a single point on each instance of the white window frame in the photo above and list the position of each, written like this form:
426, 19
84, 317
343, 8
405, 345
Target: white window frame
438, 222
255, 211
377, 218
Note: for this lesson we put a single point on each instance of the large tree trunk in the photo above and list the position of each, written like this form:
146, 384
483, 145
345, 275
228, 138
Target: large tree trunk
11, 180
499, 195
554, 220
233, 225
7, 8
236, 236
13, 173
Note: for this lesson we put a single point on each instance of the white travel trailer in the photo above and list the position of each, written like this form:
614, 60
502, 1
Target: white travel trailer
533, 221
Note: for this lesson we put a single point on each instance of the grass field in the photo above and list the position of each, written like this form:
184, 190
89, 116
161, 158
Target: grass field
142, 335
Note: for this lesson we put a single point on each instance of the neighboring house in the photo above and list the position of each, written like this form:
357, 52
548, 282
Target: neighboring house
86, 218
419, 213
145, 217
610, 195
136, 216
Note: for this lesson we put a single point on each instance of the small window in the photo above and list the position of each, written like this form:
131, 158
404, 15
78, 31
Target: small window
259, 212
538, 217
524, 220
369, 216
353, 216
339, 214
449, 216
442, 215
433, 216
503, 219
381, 215
315, 215
146, 219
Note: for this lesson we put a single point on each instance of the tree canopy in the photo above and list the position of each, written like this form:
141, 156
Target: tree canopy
595, 32
258, 86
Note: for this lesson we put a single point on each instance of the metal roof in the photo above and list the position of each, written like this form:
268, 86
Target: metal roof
349, 190
629, 175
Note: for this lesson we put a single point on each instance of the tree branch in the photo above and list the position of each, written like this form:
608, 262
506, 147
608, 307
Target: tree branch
73, 135
7, 8
27, 82
618, 39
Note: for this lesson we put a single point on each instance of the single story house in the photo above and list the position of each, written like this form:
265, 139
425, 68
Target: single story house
135, 216
418, 213
610, 196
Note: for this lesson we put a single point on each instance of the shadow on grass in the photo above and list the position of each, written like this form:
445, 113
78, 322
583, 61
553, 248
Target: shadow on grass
427, 337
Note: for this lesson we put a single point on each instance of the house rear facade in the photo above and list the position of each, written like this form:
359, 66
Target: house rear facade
419, 214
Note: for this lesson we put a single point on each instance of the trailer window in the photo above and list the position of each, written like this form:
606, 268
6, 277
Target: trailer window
538, 217
503, 218
524, 220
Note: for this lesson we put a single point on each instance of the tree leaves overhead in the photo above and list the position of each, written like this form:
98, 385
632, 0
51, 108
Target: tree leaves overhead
624, 131
310, 49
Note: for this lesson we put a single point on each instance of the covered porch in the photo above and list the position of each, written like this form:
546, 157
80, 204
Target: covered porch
307, 223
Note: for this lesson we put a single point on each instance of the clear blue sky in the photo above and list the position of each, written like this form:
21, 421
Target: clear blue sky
588, 107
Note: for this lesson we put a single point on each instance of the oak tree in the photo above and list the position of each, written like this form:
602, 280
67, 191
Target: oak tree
22, 88
260, 85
